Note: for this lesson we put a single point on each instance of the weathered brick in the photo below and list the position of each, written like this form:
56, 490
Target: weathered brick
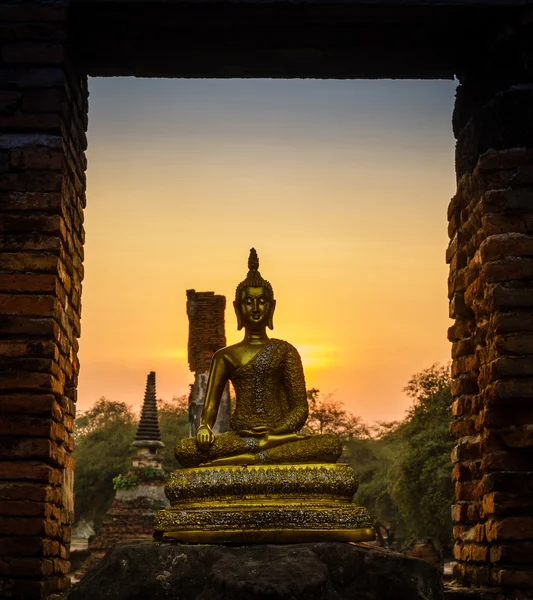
514, 578
32, 526
514, 344
516, 553
33, 53
27, 508
28, 282
464, 385
35, 305
27, 222
28, 546
508, 269
35, 492
509, 199
512, 322
31, 470
509, 528
24, 262
44, 100
47, 122
471, 552
463, 348
519, 436
9, 101
467, 448
514, 459
28, 567
22, 160
509, 366
468, 491
464, 427
31, 181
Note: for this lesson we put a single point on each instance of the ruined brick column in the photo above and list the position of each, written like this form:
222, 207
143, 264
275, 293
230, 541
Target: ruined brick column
206, 335
491, 300
43, 118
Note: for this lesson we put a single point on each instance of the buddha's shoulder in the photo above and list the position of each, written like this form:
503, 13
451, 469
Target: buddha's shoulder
285, 347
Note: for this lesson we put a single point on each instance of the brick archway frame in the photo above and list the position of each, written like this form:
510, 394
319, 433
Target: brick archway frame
49, 48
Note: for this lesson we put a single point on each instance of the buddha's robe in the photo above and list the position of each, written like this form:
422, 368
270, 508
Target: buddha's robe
270, 391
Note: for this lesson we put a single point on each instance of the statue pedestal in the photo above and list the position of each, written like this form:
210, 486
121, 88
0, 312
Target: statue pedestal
283, 503
137, 570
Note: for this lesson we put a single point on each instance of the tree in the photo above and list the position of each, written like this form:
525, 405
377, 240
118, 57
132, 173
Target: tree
328, 415
405, 471
103, 437
422, 487
174, 425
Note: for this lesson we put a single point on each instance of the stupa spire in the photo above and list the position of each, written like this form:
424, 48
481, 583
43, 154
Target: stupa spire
148, 434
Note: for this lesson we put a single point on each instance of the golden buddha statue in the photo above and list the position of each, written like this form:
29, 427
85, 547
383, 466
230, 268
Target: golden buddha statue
263, 480
271, 400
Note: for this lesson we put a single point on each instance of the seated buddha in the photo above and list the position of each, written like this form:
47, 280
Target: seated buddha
271, 400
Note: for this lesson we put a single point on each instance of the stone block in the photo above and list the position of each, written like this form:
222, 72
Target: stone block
322, 570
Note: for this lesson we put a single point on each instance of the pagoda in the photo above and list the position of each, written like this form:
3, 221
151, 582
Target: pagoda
139, 493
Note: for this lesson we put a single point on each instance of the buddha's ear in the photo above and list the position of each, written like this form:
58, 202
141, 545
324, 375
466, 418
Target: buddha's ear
238, 313
271, 315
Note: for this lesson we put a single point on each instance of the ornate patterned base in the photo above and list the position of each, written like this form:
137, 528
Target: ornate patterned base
263, 504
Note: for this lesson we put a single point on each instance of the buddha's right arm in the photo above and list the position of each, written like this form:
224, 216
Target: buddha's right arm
216, 382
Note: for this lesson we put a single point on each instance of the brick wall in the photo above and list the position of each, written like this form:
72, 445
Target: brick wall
206, 335
491, 300
43, 118
206, 328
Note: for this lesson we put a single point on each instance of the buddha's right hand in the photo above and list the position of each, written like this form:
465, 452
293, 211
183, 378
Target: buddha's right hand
204, 438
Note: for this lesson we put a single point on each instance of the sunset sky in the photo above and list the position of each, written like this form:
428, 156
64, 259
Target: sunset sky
341, 186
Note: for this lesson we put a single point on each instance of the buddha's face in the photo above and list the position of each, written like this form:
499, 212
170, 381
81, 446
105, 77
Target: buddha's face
255, 308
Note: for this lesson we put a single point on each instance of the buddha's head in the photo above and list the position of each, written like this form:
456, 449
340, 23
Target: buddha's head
254, 298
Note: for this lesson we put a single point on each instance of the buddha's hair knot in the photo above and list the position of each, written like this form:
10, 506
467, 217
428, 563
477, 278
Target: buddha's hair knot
254, 279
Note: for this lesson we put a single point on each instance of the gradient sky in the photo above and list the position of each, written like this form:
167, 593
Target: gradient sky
341, 186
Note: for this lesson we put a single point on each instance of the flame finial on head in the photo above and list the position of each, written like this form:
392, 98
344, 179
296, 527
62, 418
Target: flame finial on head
253, 260
254, 279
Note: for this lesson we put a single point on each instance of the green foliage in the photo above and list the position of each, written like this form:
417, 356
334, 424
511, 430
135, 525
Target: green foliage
405, 472
328, 415
173, 425
103, 435
125, 482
